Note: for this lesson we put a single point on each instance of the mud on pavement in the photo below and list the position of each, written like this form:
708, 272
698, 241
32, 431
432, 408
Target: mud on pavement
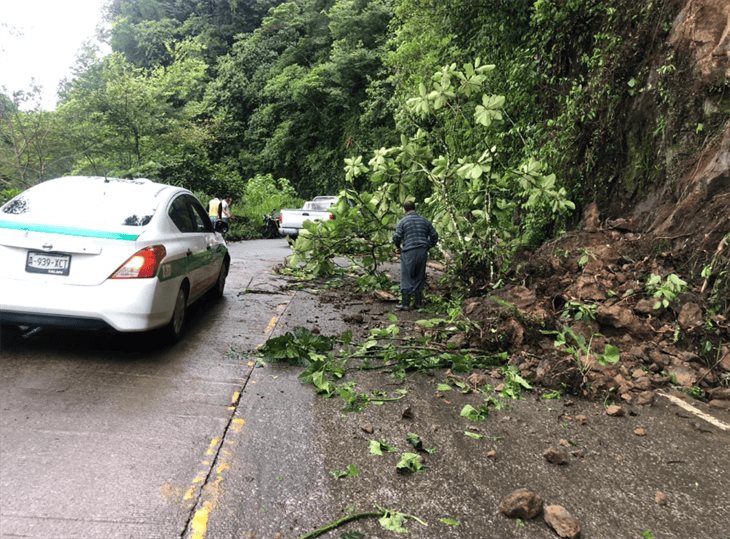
628, 470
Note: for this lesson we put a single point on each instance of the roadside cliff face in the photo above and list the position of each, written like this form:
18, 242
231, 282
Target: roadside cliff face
666, 224
692, 209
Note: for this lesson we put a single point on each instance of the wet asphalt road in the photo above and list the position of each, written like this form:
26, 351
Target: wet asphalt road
113, 436
109, 435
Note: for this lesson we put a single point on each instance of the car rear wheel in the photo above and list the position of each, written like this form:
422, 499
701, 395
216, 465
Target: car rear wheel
221, 284
173, 331
9, 334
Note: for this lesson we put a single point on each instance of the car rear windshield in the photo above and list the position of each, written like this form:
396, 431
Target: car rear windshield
86, 202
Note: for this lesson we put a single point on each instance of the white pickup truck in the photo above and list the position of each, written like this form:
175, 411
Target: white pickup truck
292, 221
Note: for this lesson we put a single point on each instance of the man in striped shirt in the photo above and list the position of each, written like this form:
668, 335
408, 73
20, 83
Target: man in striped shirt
414, 236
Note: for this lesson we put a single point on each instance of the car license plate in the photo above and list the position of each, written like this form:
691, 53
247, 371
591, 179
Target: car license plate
50, 263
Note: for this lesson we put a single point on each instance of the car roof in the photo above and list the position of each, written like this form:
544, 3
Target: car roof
109, 203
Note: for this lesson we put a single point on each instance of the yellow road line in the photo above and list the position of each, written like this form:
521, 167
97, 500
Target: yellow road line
211, 492
272, 324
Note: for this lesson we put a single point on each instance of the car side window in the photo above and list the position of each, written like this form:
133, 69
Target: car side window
202, 219
181, 215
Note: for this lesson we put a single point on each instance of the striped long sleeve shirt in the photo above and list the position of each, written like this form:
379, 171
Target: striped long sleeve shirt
414, 231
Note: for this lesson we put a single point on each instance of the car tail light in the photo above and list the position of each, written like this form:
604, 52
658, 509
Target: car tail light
141, 265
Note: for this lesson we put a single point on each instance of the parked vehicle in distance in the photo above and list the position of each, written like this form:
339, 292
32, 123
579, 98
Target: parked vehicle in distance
292, 221
93, 252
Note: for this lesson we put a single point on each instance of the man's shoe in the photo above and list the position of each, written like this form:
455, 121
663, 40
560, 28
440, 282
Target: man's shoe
403, 308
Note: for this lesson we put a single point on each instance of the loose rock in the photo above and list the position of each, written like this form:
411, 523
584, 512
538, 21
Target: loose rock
615, 411
562, 522
556, 455
640, 431
721, 393
581, 420
719, 404
660, 498
354, 318
522, 503
645, 398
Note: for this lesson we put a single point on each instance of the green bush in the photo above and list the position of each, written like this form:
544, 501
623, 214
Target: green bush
7, 194
264, 195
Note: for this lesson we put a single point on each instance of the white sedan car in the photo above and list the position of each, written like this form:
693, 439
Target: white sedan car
92, 252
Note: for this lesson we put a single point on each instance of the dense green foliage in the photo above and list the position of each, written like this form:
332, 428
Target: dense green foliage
573, 100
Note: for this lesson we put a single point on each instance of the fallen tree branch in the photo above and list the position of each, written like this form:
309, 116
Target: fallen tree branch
337, 523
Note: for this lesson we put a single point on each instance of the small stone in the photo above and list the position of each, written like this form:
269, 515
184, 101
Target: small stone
645, 398
368, 429
564, 442
660, 498
721, 393
562, 522
643, 383
477, 379
627, 397
638, 373
725, 362
640, 431
407, 413
719, 404
690, 316
522, 503
354, 318
581, 420
555, 455
684, 376
615, 411
492, 453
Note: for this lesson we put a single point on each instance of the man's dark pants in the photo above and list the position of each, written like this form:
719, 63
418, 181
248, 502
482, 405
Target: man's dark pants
413, 275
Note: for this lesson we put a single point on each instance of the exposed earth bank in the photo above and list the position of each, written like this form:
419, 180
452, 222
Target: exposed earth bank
605, 281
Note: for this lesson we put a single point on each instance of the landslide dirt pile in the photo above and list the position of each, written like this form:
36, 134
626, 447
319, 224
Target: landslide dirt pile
589, 289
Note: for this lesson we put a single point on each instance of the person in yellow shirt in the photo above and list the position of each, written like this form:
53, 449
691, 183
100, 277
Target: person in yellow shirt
215, 210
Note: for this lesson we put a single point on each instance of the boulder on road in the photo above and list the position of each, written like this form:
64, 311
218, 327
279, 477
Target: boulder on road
522, 503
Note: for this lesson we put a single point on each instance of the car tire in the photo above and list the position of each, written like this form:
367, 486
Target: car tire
221, 283
174, 329
9, 334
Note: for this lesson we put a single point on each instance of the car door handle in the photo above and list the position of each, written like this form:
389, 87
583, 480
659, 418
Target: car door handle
189, 253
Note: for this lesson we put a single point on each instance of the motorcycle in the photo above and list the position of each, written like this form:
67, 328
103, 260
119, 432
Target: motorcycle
270, 227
